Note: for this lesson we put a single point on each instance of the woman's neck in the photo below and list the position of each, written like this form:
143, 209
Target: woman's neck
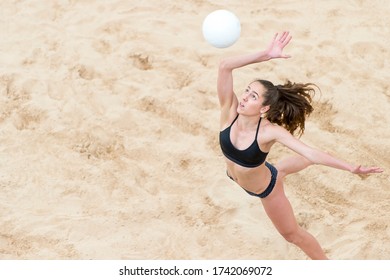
248, 123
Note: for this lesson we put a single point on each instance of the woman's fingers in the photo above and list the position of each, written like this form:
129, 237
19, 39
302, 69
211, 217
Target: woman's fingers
283, 36
286, 41
283, 39
366, 170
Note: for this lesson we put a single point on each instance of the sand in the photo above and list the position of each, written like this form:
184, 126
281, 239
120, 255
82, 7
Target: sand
109, 126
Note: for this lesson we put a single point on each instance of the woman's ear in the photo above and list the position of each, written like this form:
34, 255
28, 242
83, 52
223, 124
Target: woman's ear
264, 109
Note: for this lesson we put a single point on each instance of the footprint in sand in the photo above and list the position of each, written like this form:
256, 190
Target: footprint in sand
27, 118
323, 114
141, 61
85, 72
99, 145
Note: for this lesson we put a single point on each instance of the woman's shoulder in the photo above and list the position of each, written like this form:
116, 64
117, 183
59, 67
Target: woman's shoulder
267, 125
272, 130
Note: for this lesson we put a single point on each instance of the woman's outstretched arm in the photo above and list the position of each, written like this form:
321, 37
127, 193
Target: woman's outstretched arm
316, 156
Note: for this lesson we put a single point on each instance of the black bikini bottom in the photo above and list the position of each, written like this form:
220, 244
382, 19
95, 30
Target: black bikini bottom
268, 190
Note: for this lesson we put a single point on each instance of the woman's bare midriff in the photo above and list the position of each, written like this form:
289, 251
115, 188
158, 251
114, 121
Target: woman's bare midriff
254, 179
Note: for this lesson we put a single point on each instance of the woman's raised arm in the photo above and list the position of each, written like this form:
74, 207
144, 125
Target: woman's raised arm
227, 98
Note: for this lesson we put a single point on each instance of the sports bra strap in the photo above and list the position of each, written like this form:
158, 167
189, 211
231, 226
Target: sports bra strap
257, 131
234, 120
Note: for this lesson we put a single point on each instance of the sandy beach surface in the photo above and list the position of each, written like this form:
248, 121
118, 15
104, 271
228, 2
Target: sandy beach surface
109, 125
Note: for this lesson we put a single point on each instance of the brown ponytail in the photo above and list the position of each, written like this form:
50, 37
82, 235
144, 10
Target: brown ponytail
289, 104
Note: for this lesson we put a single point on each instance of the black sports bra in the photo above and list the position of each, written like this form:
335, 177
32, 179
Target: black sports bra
250, 157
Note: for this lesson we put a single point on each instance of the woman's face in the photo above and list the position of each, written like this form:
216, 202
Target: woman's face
251, 100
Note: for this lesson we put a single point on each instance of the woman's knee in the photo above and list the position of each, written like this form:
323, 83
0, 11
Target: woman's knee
293, 236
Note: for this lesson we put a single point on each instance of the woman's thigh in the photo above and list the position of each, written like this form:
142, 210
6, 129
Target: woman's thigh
279, 210
292, 164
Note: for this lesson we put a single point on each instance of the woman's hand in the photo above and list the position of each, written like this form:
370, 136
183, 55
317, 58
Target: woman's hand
275, 49
366, 170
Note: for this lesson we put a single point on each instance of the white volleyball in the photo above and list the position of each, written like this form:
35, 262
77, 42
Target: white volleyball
221, 28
